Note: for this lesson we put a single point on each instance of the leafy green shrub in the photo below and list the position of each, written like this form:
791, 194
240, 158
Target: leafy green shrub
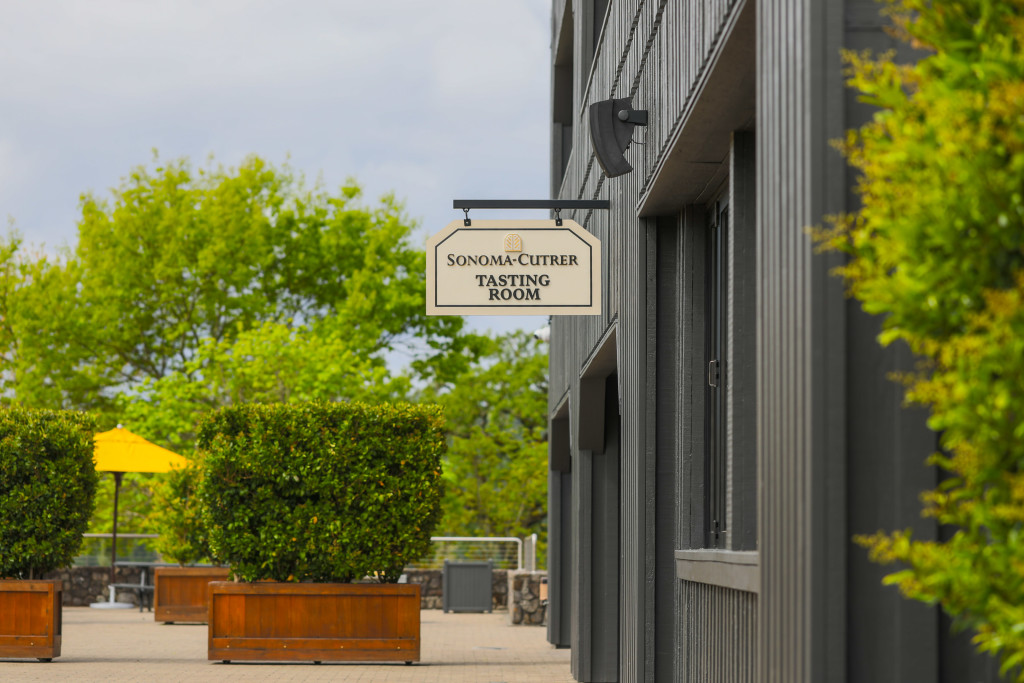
936, 249
47, 487
325, 492
177, 516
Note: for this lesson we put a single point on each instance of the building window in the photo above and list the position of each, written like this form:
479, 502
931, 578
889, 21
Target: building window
563, 97
721, 512
716, 299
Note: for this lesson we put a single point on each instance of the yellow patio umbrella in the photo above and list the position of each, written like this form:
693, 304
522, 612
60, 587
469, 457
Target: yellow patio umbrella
119, 451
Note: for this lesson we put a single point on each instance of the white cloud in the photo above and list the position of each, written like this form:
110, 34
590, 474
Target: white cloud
434, 101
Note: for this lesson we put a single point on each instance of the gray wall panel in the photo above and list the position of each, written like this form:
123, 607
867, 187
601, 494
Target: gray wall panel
690, 477
719, 634
580, 548
607, 584
820, 393
784, 574
801, 426
668, 362
560, 581
891, 639
741, 365
649, 49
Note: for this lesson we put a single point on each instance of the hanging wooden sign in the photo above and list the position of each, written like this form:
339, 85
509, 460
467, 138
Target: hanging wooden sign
507, 267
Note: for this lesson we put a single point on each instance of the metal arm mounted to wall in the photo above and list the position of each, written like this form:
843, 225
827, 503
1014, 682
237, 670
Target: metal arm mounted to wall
555, 205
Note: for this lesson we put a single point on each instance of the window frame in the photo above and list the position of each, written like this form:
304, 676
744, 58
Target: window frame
717, 454
716, 352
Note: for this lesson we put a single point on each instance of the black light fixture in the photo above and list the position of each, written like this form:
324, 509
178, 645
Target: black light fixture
611, 130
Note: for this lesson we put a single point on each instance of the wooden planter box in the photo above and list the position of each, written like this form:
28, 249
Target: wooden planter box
30, 618
345, 622
180, 592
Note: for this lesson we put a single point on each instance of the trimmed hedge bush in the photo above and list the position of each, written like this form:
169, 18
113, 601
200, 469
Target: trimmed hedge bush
47, 489
177, 516
327, 492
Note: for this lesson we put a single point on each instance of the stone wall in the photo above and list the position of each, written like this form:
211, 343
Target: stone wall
499, 589
86, 585
526, 606
431, 590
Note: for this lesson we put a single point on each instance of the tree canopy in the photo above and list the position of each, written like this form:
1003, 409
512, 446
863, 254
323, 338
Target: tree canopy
179, 259
937, 249
496, 466
193, 288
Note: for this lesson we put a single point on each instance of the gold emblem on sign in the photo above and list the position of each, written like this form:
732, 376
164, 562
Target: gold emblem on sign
513, 242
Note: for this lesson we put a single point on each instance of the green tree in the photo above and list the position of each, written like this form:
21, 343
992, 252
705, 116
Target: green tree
194, 288
272, 363
179, 257
496, 466
937, 249
177, 517
37, 367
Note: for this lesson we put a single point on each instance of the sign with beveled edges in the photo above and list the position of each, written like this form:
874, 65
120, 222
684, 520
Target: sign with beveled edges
514, 267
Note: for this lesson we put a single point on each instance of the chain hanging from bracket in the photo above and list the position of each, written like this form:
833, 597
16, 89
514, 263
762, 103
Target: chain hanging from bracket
466, 221
558, 217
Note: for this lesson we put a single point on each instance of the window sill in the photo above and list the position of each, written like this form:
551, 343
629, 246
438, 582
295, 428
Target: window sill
740, 570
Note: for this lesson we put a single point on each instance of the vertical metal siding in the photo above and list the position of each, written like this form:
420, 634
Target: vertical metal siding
579, 549
784, 574
800, 347
716, 620
656, 51
665, 629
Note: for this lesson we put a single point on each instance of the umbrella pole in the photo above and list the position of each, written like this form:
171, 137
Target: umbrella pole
113, 547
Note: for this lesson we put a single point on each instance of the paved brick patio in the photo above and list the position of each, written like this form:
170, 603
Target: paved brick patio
106, 645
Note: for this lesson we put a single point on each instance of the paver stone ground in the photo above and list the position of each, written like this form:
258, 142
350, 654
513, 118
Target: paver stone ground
126, 645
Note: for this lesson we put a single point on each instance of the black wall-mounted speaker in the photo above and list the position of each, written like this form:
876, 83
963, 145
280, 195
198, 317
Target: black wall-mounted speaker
611, 130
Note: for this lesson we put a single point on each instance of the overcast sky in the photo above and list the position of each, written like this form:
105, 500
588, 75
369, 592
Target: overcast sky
434, 101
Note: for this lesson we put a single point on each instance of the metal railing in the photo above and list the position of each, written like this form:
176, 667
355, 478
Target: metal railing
121, 535
507, 552
531, 552
130, 547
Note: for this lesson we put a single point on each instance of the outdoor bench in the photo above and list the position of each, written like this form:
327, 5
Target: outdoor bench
143, 591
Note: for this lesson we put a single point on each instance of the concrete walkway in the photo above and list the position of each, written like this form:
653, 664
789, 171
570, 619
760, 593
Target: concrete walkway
126, 645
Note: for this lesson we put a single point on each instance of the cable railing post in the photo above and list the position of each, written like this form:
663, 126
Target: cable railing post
518, 560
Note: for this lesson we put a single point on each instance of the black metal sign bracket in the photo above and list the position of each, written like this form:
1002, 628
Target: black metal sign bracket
555, 205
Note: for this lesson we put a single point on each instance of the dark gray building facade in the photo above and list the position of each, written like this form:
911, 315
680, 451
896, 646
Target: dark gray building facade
723, 429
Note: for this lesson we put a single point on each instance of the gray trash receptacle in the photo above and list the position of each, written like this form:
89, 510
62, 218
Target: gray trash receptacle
466, 586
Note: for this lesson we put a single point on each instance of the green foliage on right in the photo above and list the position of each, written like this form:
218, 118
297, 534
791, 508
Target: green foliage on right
177, 516
327, 492
47, 485
938, 249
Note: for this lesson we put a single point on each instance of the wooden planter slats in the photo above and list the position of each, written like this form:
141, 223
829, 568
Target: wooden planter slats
30, 618
180, 593
314, 622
